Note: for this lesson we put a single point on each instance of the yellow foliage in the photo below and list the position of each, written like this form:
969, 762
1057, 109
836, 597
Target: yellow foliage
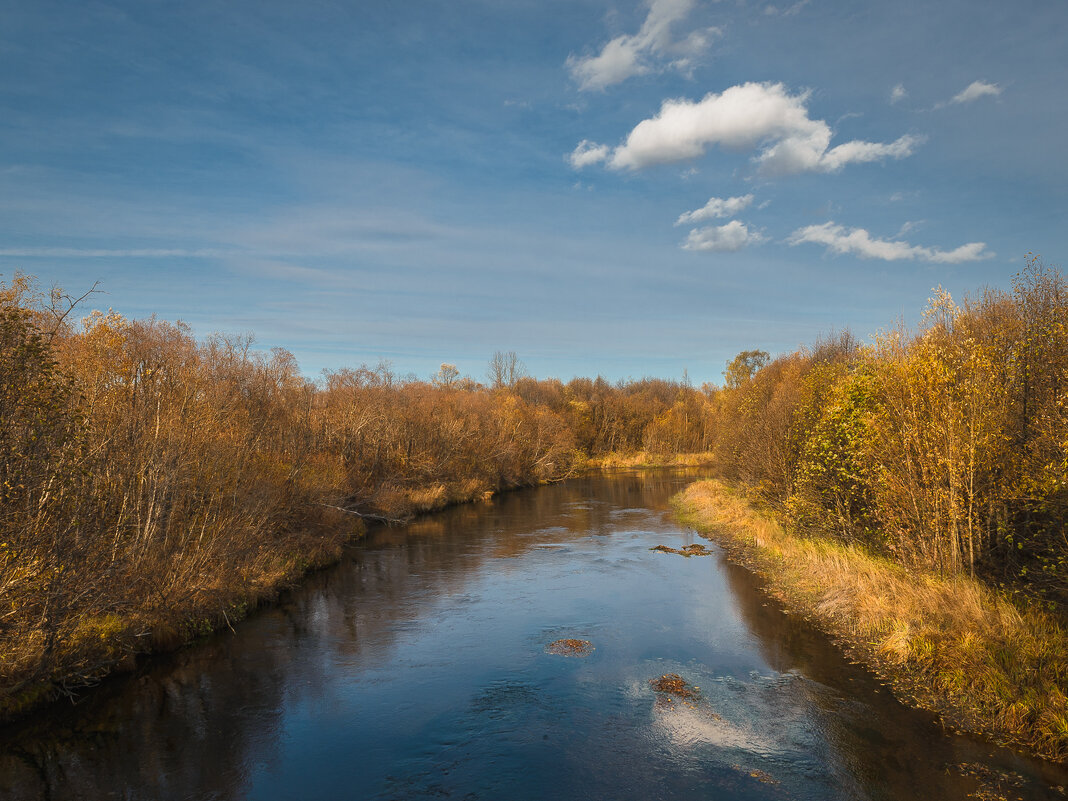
948, 643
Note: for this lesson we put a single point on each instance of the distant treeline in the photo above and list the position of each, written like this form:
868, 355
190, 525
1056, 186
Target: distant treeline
152, 485
946, 447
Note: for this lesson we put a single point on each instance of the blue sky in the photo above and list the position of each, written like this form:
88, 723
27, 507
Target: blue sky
623, 188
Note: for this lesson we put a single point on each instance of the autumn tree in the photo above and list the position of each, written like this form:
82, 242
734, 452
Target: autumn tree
743, 367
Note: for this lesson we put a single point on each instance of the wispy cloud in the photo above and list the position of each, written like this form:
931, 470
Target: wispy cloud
588, 153
100, 253
976, 90
731, 237
747, 116
898, 93
716, 207
654, 48
789, 11
841, 240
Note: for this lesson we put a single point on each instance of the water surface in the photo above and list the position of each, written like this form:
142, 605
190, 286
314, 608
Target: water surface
417, 668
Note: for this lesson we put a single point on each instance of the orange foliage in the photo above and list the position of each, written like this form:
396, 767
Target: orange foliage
154, 485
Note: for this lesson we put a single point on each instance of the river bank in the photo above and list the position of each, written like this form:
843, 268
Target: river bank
617, 460
114, 645
422, 664
949, 645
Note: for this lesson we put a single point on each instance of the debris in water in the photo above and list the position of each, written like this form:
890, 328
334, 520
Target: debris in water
994, 785
756, 773
570, 647
690, 550
675, 685
671, 687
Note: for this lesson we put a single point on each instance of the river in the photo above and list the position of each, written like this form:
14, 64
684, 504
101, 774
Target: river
419, 668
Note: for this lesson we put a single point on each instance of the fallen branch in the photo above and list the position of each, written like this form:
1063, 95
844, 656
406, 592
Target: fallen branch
365, 516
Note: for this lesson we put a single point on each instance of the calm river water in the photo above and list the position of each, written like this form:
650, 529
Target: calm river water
417, 668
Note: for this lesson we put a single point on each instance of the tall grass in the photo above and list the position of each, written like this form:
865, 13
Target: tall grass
944, 642
646, 459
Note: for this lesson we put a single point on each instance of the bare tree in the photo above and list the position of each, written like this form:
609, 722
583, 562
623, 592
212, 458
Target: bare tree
505, 369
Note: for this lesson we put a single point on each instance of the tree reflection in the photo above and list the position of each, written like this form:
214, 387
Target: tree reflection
191, 724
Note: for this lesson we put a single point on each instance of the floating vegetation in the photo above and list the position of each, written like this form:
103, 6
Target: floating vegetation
994, 785
570, 647
756, 773
674, 685
690, 550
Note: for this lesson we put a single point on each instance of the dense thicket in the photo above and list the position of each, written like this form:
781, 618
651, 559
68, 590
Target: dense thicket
151, 483
946, 447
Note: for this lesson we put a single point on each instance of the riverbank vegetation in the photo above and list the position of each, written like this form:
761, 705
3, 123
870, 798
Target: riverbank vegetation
154, 486
944, 642
944, 448
923, 483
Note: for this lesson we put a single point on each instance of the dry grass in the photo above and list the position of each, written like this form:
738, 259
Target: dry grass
950, 645
646, 459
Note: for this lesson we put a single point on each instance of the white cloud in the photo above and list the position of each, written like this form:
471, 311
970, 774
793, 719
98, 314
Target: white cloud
975, 90
898, 93
653, 48
840, 240
588, 153
716, 207
857, 152
733, 236
743, 117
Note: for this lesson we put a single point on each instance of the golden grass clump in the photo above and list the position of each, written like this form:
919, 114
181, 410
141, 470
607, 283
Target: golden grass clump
948, 644
617, 459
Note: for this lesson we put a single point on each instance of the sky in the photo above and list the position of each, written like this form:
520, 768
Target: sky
602, 186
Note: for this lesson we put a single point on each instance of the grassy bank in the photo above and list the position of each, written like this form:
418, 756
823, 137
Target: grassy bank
102, 642
645, 459
951, 645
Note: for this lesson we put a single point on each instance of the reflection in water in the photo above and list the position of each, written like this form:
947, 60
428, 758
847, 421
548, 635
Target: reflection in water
873, 736
418, 668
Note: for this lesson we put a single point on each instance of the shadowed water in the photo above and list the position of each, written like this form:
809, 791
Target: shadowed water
418, 668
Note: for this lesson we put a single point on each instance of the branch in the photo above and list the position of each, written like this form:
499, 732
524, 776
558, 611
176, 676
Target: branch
380, 518
57, 296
